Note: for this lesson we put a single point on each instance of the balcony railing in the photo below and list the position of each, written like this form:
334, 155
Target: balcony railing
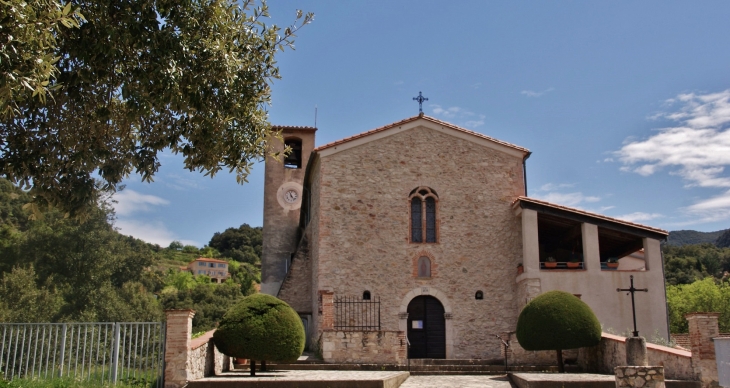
561, 265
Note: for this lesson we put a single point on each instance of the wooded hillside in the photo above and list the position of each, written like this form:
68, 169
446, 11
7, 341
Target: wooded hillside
58, 269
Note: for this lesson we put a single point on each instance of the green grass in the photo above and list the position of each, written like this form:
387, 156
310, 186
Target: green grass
72, 383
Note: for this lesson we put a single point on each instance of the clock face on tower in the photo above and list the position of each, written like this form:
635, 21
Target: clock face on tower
289, 195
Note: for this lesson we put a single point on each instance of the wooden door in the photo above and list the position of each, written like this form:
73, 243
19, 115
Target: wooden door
426, 328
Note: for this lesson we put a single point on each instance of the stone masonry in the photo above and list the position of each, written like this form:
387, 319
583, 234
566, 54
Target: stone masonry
376, 347
702, 328
363, 231
639, 376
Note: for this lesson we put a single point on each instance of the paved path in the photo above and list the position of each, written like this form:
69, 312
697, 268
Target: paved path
462, 381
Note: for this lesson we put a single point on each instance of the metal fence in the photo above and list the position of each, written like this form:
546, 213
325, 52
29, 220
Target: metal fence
131, 352
353, 313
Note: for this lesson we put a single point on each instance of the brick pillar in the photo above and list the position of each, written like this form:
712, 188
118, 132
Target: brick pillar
702, 328
177, 347
328, 309
402, 354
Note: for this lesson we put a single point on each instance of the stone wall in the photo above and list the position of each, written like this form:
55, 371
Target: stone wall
639, 377
363, 242
189, 359
364, 347
297, 287
204, 358
611, 352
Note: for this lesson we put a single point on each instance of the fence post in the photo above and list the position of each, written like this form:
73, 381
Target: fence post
177, 347
63, 348
115, 352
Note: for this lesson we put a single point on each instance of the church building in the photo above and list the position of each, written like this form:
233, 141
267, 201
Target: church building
418, 240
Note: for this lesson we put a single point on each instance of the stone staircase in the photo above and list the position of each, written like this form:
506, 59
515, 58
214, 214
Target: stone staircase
423, 367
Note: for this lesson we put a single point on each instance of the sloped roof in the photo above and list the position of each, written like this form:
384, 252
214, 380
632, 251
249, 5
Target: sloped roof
588, 214
293, 128
427, 118
207, 260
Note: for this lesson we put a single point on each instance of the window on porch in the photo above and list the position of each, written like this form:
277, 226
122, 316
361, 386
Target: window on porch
620, 251
561, 243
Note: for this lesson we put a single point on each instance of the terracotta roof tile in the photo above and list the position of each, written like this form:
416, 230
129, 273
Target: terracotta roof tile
293, 128
209, 260
414, 118
589, 214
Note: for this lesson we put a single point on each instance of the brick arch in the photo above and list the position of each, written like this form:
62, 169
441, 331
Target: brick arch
441, 296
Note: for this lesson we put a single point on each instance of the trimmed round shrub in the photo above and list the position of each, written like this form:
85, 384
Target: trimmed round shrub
557, 320
261, 327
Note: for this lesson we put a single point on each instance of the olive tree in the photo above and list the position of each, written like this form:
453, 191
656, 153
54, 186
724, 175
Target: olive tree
557, 320
127, 79
261, 327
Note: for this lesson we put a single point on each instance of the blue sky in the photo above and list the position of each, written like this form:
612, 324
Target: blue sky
625, 105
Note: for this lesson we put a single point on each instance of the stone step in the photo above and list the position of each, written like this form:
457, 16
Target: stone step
580, 380
458, 368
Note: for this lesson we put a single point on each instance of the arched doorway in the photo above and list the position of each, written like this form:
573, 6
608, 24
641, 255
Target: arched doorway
426, 328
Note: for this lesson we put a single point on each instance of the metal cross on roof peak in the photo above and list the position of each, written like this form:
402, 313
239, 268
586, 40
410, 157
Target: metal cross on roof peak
420, 100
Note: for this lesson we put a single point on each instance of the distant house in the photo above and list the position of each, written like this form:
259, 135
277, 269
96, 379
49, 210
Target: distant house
217, 270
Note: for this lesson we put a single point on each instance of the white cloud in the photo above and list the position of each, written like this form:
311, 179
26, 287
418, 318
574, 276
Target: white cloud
153, 232
639, 216
532, 93
697, 148
463, 116
554, 187
130, 201
555, 193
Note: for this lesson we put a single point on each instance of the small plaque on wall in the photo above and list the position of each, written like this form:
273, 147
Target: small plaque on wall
417, 324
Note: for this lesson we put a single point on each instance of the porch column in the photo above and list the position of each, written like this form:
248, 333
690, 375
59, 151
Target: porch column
530, 244
652, 254
591, 253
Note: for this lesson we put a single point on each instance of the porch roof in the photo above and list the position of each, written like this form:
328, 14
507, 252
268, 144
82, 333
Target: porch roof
589, 217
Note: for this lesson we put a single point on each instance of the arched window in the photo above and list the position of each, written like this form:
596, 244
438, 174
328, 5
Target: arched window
366, 295
294, 159
424, 224
424, 267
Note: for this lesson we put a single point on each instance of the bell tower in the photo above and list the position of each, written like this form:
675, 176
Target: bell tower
282, 202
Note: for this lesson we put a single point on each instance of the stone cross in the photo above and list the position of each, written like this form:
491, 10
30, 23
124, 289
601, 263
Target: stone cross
420, 100
632, 290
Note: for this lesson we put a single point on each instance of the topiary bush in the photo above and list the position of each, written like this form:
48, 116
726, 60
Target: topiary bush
557, 320
261, 327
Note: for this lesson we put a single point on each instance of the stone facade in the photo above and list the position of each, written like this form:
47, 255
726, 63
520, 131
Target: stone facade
355, 220
297, 287
364, 347
639, 377
364, 224
281, 218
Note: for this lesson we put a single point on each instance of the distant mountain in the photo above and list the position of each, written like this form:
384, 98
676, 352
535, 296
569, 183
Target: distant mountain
724, 240
687, 237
